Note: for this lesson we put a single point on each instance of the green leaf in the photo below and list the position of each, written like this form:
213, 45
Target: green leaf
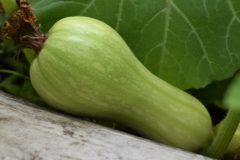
27, 92
232, 95
188, 43
9, 85
12, 84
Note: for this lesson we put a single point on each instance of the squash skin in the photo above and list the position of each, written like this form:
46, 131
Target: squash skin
85, 68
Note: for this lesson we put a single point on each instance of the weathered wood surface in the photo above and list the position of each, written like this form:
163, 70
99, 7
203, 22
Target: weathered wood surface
28, 132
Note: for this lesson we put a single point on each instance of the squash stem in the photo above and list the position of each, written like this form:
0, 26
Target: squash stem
9, 6
30, 54
224, 134
21, 26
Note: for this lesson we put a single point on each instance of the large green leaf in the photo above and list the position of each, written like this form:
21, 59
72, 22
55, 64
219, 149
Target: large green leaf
188, 43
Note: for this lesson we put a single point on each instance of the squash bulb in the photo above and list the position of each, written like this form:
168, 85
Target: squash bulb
85, 68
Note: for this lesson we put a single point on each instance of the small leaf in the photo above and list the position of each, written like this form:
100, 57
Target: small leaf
232, 95
9, 86
27, 92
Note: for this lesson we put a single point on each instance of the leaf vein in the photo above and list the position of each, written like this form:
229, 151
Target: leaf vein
200, 41
151, 19
165, 31
230, 4
227, 39
87, 7
119, 16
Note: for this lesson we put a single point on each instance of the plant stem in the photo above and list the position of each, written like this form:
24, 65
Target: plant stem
224, 134
13, 73
9, 6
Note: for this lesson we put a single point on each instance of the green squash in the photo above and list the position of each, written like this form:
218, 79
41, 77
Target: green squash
85, 68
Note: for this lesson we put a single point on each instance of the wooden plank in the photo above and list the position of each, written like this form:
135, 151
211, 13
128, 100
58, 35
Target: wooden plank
30, 132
